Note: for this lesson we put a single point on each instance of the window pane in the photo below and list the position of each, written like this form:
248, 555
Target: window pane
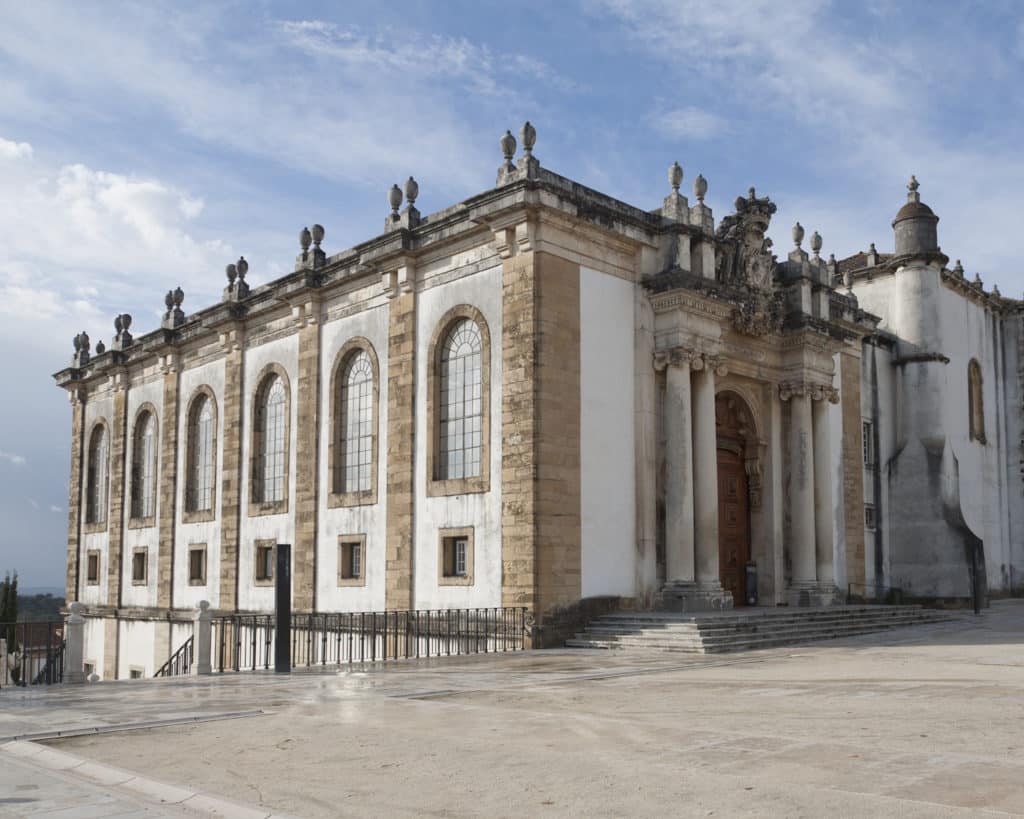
460, 410
356, 427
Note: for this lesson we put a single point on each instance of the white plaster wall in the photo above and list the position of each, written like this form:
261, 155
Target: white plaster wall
353, 520
101, 408
93, 643
607, 435
131, 595
281, 528
136, 647
482, 511
208, 532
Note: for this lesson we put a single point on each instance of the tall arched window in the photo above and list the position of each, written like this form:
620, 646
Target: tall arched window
201, 466
975, 401
356, 427
271, 450
143, 504
96, 477
460, 414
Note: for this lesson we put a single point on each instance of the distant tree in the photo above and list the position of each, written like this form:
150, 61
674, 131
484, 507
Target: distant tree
9, 599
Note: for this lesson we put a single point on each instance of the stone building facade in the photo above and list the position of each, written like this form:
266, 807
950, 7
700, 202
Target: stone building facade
545, 397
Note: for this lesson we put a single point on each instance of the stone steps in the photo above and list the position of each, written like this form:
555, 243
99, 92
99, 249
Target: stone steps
716, 632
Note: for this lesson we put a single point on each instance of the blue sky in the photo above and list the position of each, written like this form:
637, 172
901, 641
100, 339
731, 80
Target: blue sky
144, 147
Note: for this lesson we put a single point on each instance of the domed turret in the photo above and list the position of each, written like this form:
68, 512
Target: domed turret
915, 225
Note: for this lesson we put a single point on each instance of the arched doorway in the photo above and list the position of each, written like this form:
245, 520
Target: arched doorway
734, 428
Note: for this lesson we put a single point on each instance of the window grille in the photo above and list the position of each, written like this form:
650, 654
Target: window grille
868, 432
270, 465
199, 494
456, 557
460, 409
96, 486
143, 467
870, 519
139, 560
356, 428
351, 561
265, 562
92, 575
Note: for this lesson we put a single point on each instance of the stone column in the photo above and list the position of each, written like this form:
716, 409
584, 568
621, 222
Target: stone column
801, 495
74, 641
705, 471
233, 341
202, 633
679, 531
117, 492
823, 509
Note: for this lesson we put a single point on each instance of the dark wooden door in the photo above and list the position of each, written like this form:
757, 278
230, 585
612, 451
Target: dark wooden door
733, 524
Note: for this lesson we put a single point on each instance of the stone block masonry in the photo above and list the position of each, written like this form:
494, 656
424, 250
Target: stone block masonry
853, 472
307, 468
168, 489
115, 518
231, 482
75, 493
401, 454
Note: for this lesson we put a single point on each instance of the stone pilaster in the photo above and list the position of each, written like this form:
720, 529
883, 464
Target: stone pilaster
679, 522
823, 508
78, 400
231, 471
801, 495
853, 471
401, 454
111, 654
306, 464
559, 542
168, 486
518, 431
705, 469
118, 491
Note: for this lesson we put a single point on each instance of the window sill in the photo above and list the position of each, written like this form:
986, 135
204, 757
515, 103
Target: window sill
455, 581
142, 523
269, 508
197, 582
264, 584
94, 528
337, 500
351, 582
198, 516
140, 582
458, 486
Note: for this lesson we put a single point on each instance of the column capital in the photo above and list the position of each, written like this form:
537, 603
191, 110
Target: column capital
675, 357
817, 392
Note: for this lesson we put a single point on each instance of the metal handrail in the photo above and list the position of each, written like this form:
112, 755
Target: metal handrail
180, 662
35, 652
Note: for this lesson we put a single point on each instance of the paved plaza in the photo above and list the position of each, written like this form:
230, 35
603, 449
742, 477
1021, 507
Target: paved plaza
924, 721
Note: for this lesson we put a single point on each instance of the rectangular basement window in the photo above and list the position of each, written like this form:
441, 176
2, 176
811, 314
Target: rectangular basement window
456, 557
265, 561
870, 520
135, 673
868, 432
197, 565
351, 556
92, 571
140, 559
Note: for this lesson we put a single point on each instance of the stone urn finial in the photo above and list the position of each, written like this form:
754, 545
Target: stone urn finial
912, 186
958, 270
101, 348
528, 135
798, 234
305, 239
232, 273
179, 296
169, 300
816, 244
395, 199
508, 148
700, 188
412, 190
318, 235
242, 266
675, 176
118, 326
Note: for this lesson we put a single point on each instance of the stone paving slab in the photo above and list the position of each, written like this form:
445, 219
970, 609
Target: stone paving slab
919, 723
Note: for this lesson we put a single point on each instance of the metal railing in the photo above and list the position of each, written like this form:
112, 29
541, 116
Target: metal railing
31, 653
245, 642
874, 593
180, 662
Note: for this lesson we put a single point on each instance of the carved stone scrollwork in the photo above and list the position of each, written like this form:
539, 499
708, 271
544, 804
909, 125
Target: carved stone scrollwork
817, 392
752, 467
758, 314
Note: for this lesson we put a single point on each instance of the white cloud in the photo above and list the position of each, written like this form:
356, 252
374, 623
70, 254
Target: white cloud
34, 503
56, 509
689, 123
14, 150
10, 457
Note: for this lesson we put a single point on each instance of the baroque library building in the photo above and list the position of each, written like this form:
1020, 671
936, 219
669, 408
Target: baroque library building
544, 397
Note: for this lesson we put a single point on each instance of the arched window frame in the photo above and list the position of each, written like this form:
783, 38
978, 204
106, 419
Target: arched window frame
265, 381
975, 402
338, 495
144, 474
192, 513
437, 483
97, 477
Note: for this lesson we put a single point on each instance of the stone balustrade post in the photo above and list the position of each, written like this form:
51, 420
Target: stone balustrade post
202, 639
74, 644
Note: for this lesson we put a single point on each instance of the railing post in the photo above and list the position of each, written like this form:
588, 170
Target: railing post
202, 629
74, 644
